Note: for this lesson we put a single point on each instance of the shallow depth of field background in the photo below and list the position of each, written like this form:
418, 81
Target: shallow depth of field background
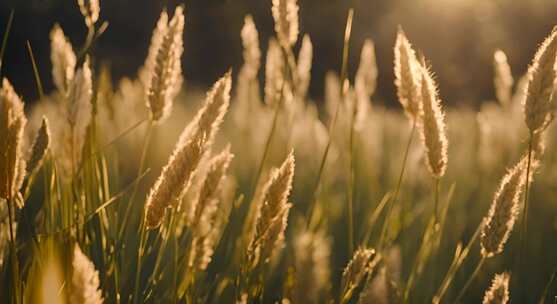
458, 37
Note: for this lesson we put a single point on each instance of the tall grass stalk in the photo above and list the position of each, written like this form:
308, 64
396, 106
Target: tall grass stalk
460, 256
470, 279
524, 230
343, 75
5, 38
397, 189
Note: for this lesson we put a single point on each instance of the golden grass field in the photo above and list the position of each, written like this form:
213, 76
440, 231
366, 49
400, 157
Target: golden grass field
252, 192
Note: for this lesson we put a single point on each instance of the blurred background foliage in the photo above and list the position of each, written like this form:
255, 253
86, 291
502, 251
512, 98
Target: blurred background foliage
459, 36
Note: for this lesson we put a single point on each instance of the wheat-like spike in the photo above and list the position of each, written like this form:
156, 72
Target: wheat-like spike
312, 267
272, 212
498, 293
85, 280
62, 58
274, 75
503, 79
356, 269
252, 52
285, 14
90, 10
499, 222
433, 131
39, 148
407, 77
366, 76
163, 66
12, 124
272, 240
204, 227
539, 106
195, 140
218, 165
305, 57
79, 115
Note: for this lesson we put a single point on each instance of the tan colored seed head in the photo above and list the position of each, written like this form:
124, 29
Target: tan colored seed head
539, 106
499, 222
433, 128
498, 292
285, 14
407, 77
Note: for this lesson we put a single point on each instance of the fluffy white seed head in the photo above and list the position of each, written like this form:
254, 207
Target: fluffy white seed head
433, 130
499, 222
85, 280
503, 79
12, 125
407, 77
163, 67
90, 10
62, 58
539, 106
498, 292
285, 14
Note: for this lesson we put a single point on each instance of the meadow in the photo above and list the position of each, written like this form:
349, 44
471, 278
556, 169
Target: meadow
147, 190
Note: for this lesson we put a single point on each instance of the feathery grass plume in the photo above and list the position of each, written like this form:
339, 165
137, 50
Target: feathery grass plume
205, 229
499, 222
163, 67
194, 141
407, 77
285, 14
366, 76
381, 290
433, 126
503, 79
305, 57
539, 106
90, 10
39, 148
12, 124
356, 270
312, 267
252, 52
218, 165
78, 111
62, 58
498, 293
274, 73
272, 213
85, 280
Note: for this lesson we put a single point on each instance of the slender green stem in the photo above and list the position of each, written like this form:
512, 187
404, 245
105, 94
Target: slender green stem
351, 181
470, 280
344, 68
397, 189
140, 251
267, 143
524, 230
437, 182
5, 38
35, 70
548, 285
447, 280
145, 148
13, 254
